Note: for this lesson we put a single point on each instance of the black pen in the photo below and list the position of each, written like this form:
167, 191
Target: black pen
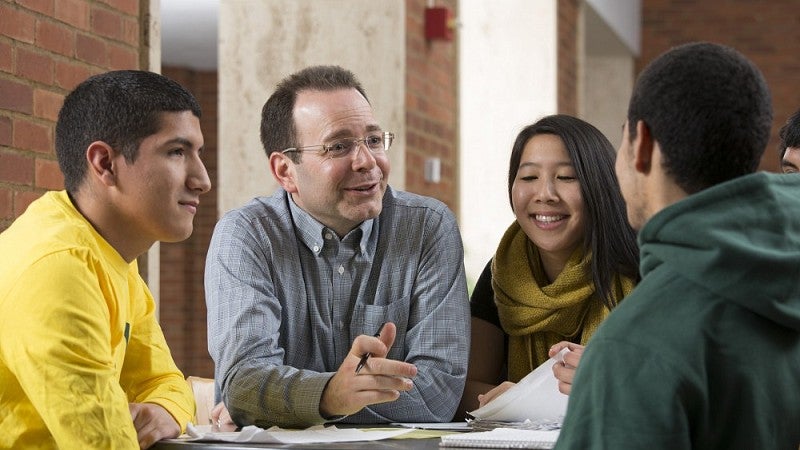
367, 355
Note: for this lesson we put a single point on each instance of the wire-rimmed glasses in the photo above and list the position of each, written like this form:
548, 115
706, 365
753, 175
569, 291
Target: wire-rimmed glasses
378, 142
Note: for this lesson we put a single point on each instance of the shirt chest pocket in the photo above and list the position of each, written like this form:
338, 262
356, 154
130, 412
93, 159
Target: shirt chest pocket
367, 319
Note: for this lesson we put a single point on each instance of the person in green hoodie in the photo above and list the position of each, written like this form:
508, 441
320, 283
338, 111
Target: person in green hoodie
705, 352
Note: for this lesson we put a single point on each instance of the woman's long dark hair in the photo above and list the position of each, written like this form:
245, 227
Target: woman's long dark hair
608, 235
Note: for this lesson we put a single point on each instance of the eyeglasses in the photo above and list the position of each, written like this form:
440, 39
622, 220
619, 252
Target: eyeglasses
376, 143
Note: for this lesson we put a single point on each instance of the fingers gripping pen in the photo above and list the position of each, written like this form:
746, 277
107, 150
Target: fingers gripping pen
366, 356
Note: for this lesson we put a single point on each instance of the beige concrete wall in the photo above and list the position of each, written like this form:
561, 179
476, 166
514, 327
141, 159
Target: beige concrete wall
508, 80
262, 41
607, 88
154, 65
606, 74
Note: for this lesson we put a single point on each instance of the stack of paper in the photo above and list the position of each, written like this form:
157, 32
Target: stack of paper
535, 398
503, 438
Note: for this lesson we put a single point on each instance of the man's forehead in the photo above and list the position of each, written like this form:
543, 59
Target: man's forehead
331, 109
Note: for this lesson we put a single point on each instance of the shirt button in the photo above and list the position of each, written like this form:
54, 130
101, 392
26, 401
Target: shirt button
341, 270
316, 248
328, 236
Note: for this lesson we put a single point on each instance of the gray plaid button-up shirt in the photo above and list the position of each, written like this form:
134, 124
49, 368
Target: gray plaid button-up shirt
286, 298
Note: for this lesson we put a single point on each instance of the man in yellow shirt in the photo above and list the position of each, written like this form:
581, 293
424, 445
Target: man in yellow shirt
83, 361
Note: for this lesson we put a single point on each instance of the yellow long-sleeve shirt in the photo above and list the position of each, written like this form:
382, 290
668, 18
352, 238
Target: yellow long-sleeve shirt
78, 336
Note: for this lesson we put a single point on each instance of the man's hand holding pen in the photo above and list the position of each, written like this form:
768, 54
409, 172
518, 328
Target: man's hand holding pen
379, 380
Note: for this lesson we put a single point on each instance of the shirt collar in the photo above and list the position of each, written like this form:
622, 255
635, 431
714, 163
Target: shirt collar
312, 233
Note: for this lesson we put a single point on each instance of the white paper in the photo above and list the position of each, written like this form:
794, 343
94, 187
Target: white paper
503, 438
275, 435
535, 397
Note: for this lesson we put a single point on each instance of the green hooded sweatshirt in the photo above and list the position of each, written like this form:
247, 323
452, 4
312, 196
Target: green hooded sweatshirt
705, 352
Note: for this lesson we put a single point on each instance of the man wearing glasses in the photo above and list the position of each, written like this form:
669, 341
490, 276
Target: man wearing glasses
337, 298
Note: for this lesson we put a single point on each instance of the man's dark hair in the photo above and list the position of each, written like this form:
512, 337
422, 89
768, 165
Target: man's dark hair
607, 233
709, 109
278, 130
790, 133
120, 108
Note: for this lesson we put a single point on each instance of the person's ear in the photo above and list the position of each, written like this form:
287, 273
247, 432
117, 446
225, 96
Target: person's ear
643, 146
283, 169
102, 162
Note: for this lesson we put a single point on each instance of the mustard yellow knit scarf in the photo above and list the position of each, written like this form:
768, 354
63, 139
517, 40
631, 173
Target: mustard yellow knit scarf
537, 315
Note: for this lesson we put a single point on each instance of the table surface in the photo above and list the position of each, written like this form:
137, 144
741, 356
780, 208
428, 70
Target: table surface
407, 443
385, 444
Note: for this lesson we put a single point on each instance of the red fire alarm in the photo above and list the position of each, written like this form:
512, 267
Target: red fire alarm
438, 24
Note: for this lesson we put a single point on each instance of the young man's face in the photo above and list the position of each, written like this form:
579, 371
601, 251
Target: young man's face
338, 192
790, 163
159, 192
627, 181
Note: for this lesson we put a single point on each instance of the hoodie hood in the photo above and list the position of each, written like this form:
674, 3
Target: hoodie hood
739, 239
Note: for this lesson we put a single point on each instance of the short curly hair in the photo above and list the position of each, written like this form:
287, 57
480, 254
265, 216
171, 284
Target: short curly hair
709, 109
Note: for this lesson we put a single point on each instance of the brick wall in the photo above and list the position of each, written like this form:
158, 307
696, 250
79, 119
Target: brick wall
766, 32
47, 47
183, 306
431, 105
567, 29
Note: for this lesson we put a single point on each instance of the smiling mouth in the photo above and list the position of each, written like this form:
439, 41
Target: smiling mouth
363, 188
548, 218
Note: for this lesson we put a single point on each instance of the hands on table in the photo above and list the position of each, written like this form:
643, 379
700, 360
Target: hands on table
380, 380
563, 370
152, 423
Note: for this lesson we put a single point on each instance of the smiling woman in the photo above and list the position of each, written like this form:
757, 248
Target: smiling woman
546, 199
566, 261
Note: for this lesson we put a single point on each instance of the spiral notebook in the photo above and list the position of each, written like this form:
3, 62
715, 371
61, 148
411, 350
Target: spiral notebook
503, 438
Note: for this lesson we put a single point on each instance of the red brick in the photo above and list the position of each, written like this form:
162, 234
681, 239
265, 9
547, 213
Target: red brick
32, 136
106, 23
130, 7
55, 37
431, 101
6, 208
763, 32
6, 57
15, 168
48, 175
73, 12
91, 49
120, 57
22, 199
69, 75
34, 65
16, 23
130, 31
43, 6
5, 131
16, 96
46, 104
